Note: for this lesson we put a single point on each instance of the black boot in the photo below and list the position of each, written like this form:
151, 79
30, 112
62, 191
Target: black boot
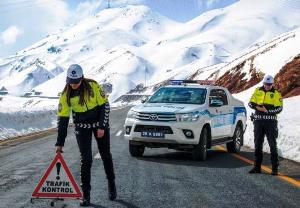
112, 192
274, 171
255, 169
85, 202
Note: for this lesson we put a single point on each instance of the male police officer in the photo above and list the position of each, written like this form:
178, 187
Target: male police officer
267, 102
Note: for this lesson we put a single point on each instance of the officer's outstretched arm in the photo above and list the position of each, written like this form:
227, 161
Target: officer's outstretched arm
63, 120
62, 125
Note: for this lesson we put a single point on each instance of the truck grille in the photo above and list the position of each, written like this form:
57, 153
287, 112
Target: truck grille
151, 128
156, 116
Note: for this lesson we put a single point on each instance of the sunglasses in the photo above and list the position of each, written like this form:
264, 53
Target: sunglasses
268, 84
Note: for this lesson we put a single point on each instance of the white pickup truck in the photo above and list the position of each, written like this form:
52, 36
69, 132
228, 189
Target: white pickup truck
187, 116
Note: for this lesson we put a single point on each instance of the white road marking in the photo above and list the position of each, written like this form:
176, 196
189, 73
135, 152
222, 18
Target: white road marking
119, 133
97, 156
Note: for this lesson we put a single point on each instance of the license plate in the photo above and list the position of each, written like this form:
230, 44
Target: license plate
152, 134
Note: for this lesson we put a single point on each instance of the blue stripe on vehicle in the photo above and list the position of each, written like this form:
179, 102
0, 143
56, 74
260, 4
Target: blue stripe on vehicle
222, 120
225, 119
206, 112
238, 110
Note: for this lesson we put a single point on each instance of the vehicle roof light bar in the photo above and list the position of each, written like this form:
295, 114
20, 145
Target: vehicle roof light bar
206, 82
180, 82
200, 82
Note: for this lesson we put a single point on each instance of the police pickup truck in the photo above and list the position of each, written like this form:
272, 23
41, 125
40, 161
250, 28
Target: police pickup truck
187, 115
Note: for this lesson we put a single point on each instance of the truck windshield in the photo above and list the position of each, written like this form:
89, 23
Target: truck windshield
179, 95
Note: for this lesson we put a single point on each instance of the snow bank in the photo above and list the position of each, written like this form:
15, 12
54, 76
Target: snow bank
24, 122
21, 116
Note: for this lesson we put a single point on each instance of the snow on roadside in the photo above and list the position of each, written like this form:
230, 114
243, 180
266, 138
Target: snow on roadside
27, 115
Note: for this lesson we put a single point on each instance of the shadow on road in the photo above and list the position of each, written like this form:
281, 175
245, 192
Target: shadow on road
287, 167
120, 201
96, 206
215, 159
220, 159
125, 204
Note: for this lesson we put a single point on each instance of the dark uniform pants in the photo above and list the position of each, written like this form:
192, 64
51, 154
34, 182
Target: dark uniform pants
269, 129
84, 140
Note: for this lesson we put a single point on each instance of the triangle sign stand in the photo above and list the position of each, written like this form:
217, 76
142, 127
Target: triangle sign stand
57, 182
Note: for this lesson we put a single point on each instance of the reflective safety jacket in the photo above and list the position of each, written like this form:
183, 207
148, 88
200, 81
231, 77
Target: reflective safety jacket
271, 100
94, 113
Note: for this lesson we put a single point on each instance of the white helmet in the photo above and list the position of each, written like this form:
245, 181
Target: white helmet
74, 74
269, 79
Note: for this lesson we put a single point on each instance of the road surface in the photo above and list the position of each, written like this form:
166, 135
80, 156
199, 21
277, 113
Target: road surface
162, 178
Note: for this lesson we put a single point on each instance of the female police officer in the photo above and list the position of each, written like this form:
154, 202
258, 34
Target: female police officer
90, 111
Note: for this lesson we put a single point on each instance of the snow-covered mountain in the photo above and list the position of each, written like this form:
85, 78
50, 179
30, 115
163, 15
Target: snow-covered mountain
278, 57
133, 45
222, 35
99, 43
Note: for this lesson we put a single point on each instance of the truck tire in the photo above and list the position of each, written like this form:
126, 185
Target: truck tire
200, 150
235, 145
136, 150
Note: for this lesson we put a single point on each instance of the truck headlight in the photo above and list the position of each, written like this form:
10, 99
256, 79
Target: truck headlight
132, 114
188, 117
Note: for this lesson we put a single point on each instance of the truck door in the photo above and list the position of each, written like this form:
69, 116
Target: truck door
221, 113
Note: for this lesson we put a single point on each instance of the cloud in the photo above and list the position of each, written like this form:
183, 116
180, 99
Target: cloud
10, 35
87, 8
114, 3
53, 14
211, 3
91, 7
37, 18
125, 2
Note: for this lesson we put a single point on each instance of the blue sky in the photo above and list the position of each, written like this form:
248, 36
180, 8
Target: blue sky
24, 22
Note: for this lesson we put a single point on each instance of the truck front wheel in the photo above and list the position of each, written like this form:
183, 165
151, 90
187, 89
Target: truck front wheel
235, 145
136, 150
200, 150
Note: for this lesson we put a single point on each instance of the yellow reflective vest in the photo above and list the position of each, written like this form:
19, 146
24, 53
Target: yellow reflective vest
98, 98
93, 114
271, 100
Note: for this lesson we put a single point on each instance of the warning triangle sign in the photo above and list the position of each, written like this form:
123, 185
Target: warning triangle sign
57, 181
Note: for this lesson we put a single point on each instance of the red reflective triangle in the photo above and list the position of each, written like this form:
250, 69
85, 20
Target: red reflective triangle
54, 187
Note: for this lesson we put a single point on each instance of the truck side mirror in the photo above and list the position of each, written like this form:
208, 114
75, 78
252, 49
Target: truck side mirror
144, 99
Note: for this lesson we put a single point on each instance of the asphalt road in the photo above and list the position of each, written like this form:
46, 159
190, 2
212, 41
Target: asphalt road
162, 178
